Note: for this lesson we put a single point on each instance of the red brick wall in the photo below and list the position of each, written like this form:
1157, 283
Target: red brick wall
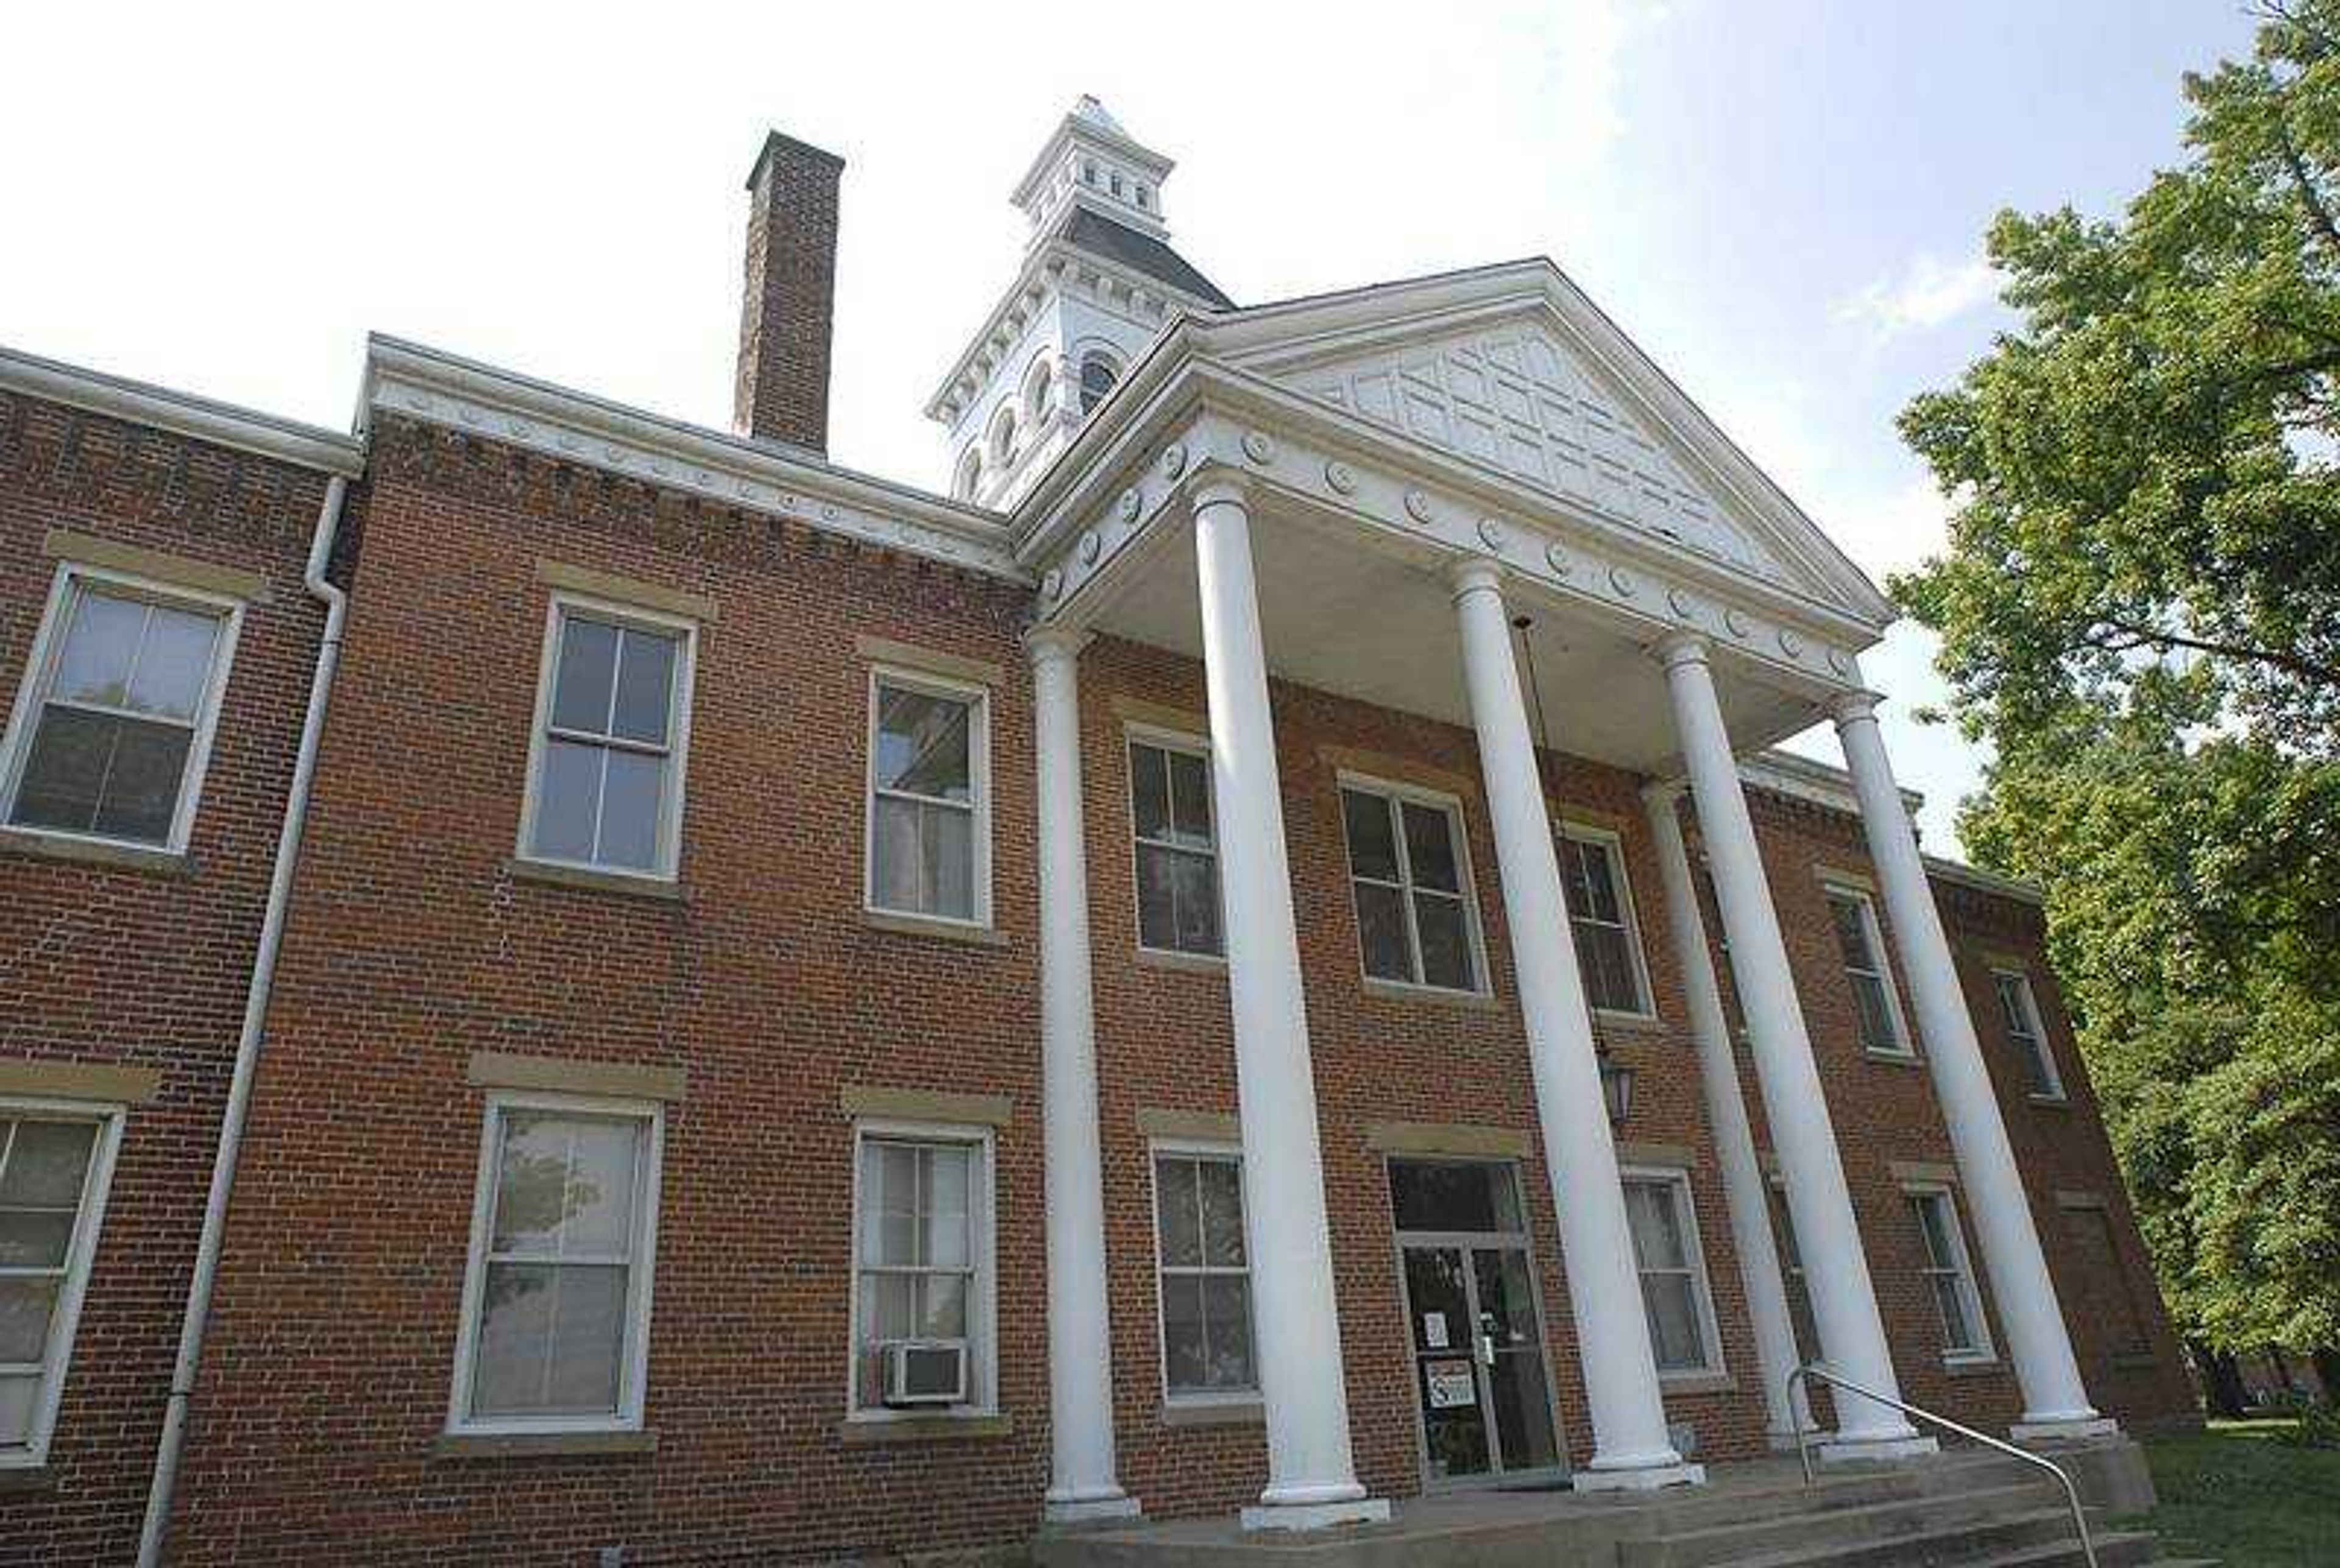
121, 966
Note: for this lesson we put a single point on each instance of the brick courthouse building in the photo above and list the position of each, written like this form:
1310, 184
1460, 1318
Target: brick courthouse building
755, 1009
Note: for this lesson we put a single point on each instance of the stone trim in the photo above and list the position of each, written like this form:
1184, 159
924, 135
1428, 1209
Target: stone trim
926, 1429
178, 570
1667, 1156
1448, 1138
1160, 716
929, 660
1214, 1413
521, 868
2067, 1198
108, 1082
632, 591
1182, 963
1588, 818
929, 926
539, 1444
152, 859
570, 1075
1436, 996
1924, 1172
1197, 1126
1855, 881
1698, 1382
925, 1105
1398, 770
2000, 959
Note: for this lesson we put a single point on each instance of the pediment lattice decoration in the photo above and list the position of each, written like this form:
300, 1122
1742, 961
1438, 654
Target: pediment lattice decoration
1513, 397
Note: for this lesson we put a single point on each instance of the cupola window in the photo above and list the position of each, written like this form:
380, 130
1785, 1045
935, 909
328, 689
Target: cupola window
1097, 376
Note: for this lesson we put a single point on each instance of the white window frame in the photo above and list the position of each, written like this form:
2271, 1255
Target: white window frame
1904, 1047
66, 587
1156, 1150
1459, 824
613, 612
1676, 1180
1161, 740
978, 748
982, 1296
633, 1358
2047, 1079
1960, 1269
1612, 843
97, 1182
1792, 1275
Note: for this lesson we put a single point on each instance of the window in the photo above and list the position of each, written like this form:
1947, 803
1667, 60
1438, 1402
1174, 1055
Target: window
1114, 182
1409, 870
922, 1251
929, 815
1142, 198
56, 1162
1204, 1277
1726, 971
1177, 852
2109, 1297
1862, 944
1098, 377
969, 474
1601, 908
1673, 1273
2020, 1009
605, 780
113, 727
1003, 435
1958, 1304
1040, 391
1792, 1271
557, 1298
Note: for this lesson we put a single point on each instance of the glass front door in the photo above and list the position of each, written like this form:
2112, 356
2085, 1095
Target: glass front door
1479, 1376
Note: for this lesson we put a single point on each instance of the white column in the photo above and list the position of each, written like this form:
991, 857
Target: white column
1743, 1190
1311, 1478
1828, 1236
2054, 1401
1630, 1444
1082, 1481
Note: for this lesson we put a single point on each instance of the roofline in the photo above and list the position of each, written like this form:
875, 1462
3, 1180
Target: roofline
1983, 882
1073, 126
183, 414
1808, 778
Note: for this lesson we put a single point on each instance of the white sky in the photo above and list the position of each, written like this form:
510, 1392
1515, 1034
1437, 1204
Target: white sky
1780, 202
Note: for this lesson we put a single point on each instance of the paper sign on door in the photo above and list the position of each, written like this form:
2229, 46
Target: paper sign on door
1452, 1385
1433, 1330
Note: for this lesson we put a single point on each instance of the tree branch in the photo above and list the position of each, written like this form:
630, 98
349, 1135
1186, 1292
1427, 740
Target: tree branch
2151, 637
2312, 198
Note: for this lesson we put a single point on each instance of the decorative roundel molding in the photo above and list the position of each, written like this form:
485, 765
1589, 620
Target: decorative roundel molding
1492, 533
1622, 582
1417, 505
1052, 584
1555, 555
1091, 547
1841, 661
1342, 477
1258, 446
1734, 623
1132, 503
1683, 605
1174, 458
1790, 643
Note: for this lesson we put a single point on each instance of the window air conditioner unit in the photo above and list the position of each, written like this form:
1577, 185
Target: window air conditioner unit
925, 1372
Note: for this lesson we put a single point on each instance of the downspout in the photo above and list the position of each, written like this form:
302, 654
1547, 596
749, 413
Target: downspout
248, 1043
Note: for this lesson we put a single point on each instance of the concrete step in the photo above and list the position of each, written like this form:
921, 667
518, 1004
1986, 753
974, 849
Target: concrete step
1889, 1518
2115, 1549
1967, 1544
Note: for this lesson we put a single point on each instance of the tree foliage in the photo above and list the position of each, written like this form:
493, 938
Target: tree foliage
2140, 614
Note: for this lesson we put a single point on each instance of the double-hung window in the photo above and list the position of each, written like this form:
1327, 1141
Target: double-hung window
922, 1270
557, 1298
1666, 1250
1861, 943
606, 772
54, 1165
1410, 875
929, 852
1949, 1274
2020, 1009
1600, 911
1791, 1272
113, 724
1204, 1275
1177, 851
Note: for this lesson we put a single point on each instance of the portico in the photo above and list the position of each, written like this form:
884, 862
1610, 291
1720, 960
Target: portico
1428, 496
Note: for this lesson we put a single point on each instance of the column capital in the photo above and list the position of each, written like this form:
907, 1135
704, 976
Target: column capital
1050, 641
1662, 794
1219, 487
1678, 648
1469, 573
1852, 707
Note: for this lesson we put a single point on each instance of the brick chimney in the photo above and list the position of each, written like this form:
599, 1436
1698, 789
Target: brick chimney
782, 391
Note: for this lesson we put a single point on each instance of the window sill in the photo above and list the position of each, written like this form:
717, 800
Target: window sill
971, 1427
1400, 992
1189, 963
1978, 1366
25, 1478
2135, 1361
932, 925
1214, 1413
149, 857
1630, 1024
1698, 1382
542, 1444
1892, 1058
585, 878
2050, 1102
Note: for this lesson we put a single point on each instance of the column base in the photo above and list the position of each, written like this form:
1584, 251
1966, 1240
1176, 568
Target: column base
1780, 1442
1089, 1509
2064, 1428
1640, 1478
1885, 1447
1315, 1515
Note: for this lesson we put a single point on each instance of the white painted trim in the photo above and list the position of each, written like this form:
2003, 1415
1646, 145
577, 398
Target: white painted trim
97, 1182
982, 1296
1136, 733
182, 413
1459, 823
560, 604
633, 1363
40, 671
1585, 832
977, 696
1905, 1045
2043, 1049
1195, 1148
1676, 1179
1983, 1352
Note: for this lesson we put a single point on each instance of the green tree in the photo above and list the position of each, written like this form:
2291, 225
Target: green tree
2140, 615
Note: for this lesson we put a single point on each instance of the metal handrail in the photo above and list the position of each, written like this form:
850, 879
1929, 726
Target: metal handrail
1804, 1451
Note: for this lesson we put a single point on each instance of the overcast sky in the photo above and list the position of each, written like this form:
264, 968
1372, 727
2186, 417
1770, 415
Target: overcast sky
1781, 200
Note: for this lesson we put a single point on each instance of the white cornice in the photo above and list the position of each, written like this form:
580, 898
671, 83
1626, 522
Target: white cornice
424, 383
222, 424
1072, 128
1805, 779
1983, 882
